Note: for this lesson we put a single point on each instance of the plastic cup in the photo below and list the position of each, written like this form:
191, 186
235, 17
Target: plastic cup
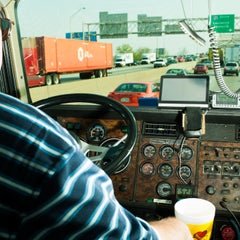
198, 214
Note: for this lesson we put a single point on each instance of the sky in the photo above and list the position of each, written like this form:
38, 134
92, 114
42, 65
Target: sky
54, 18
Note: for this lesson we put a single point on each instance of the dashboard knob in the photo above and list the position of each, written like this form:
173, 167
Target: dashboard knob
226, 155
226, 184
211, 190
236, 199
235, 185
122, 188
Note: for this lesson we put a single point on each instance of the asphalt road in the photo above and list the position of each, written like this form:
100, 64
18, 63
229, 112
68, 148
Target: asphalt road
72, 84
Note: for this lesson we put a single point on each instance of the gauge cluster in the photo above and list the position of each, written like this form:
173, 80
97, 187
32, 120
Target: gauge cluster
167, 168
162, 166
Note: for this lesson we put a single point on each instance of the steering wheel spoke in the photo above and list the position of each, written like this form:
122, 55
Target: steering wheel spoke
98, 152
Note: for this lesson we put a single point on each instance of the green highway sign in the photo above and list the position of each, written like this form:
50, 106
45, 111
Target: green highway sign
223, 23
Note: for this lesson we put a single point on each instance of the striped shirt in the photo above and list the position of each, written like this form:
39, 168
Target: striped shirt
49, 189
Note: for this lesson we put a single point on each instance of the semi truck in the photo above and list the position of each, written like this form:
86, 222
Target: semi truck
148, 58
123, 59
46, 58
232, 54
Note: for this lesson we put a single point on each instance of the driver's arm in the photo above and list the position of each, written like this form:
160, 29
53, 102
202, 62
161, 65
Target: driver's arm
50, 190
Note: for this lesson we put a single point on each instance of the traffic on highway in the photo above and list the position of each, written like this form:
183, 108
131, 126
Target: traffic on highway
113, 114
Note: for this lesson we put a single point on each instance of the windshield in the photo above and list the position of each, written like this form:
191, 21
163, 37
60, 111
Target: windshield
162, 130
121, 42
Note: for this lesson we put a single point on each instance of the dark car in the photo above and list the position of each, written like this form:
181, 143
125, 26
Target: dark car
176, 71
129, 93
231, 68
200, 68
136, 62
188, 59
171, 61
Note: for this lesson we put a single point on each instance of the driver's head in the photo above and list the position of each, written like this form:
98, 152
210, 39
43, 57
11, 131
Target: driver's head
6, 27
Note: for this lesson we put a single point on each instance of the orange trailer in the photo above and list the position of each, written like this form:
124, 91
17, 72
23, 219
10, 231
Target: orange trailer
46, 58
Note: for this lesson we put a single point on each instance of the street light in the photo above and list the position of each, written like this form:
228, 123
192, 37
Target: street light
71, 17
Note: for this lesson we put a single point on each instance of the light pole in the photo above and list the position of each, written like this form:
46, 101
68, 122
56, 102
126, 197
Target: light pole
71, 17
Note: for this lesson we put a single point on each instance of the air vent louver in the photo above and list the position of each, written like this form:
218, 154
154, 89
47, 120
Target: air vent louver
159, 129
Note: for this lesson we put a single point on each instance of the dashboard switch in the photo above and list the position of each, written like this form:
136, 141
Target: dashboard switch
228, 233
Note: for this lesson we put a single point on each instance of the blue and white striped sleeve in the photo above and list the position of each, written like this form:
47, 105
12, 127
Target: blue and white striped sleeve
56, 191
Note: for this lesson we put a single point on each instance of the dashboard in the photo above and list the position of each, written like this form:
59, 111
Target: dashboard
165, 165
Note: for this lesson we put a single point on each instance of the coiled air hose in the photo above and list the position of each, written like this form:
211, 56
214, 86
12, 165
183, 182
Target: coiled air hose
217, 65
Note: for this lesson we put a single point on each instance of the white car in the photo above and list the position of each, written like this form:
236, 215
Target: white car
161, 62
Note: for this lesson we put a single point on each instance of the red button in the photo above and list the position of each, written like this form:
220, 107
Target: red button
228, 233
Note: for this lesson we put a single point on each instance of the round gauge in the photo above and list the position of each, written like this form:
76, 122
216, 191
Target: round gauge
149, 151
184, 172
110, 142
164, 189
186, 153
147, 169
165, 170
96, 133
166, 152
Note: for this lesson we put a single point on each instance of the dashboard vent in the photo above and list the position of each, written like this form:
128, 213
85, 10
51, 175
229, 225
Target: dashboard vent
160, 129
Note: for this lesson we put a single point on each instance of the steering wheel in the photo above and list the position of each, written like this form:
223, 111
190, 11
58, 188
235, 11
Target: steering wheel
111, 158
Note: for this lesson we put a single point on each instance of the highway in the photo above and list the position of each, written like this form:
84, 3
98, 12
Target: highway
72, 84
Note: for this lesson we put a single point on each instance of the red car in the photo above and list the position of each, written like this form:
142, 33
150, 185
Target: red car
200, 68
129, 93
181, 59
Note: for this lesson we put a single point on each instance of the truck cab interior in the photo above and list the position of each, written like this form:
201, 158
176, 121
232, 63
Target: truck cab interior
186, 146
